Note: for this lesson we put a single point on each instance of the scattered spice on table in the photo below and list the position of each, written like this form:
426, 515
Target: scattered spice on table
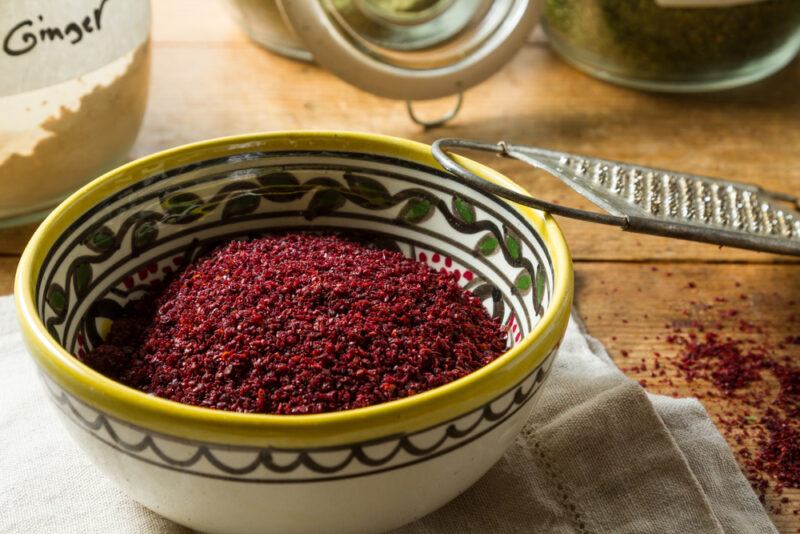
299, 323
734, 366
757, 374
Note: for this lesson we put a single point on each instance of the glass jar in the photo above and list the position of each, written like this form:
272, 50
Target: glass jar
263, 21
402, 49
675, 45
73, 88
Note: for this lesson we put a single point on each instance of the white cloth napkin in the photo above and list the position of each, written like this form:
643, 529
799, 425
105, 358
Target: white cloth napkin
599, 455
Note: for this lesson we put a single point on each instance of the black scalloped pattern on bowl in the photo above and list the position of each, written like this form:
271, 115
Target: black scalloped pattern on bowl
270, 465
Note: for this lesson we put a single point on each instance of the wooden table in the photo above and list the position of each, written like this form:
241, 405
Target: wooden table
208, 80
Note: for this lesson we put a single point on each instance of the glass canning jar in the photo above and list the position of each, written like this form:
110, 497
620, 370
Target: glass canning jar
675, 45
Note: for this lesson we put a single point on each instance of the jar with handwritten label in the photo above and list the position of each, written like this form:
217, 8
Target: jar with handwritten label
73, 88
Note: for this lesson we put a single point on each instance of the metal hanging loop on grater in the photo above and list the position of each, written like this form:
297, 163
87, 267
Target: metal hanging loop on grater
648, 200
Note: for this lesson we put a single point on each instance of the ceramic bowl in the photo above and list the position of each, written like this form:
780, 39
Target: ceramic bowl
363, 470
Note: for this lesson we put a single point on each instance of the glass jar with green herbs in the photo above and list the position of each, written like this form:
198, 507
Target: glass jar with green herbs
675, 45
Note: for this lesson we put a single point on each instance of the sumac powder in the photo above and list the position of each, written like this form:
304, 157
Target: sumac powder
745, 369
299, 323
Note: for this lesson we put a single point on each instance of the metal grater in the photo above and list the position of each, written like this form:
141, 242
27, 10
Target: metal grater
649, 200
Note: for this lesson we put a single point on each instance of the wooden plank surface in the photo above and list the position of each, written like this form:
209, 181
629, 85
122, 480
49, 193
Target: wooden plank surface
8, 266
208, 80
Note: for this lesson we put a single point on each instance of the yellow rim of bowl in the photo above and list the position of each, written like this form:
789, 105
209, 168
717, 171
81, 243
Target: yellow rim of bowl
171, 418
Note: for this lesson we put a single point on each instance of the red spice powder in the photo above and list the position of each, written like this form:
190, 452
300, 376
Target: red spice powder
779, 452
733, 366
300, 323
759, 377
723, 362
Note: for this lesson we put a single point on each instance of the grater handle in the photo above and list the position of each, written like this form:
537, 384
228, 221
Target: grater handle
651, 201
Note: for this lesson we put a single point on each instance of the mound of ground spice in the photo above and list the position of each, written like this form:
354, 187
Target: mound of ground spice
300, 323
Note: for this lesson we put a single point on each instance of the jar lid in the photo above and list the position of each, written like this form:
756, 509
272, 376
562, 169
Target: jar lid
412, 49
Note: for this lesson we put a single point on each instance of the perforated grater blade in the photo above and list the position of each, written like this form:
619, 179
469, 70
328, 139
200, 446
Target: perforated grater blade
650, 200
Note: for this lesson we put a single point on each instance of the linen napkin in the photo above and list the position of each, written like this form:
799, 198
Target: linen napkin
598, 455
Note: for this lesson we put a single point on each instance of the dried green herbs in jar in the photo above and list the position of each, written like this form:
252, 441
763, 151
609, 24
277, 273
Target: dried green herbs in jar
665, 45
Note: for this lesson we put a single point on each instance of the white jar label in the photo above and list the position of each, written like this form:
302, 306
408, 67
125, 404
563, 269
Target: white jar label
45, 42
704, 3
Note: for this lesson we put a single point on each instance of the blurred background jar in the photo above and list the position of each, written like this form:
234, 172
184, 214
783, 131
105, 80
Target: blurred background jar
264, 23
73, 89
675, 45
402, 49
